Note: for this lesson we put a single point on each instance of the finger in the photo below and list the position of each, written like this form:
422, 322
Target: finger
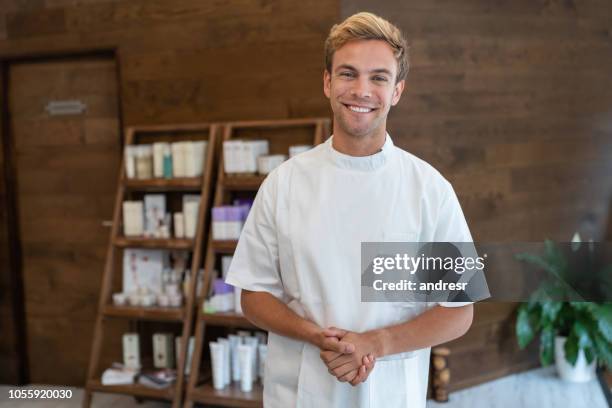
344, 369
329, 356
333, 344
360, 377
348, 376
369, 362
334, 332
340, 361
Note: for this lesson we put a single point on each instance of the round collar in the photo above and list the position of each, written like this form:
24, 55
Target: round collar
361, 163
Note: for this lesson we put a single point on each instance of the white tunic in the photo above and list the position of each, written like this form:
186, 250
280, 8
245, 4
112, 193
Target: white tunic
301, 243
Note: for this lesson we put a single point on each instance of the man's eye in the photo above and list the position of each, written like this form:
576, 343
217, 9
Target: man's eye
380, 78
346, 74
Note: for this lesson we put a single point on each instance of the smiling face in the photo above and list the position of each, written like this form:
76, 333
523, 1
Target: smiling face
361, 88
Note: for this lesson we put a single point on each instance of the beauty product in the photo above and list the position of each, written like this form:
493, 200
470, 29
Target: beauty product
194, 158
131, 350
178, 159
227, 368
297, 149
234, 341
262, 337
143, 270
245, 355
148, 300
226, 261
253, 342
265, 164
217, 355
163, 350
167, 162
179, 225
119, 299
130, 161
175, 300
233, 222
263, 352
155, 213
133, 217
158, 159
191, 204
231, 161
144, 162
218, 223
134, 299
163, 300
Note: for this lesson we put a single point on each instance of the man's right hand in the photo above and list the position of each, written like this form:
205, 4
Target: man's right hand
332, 346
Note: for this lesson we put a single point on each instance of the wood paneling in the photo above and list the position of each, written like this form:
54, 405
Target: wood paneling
180, 61
66, 170
511, 102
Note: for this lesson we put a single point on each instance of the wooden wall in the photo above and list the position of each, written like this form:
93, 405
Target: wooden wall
511, 101
180, 61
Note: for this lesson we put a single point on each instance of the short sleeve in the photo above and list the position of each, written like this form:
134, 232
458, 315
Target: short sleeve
451, 227
255, 264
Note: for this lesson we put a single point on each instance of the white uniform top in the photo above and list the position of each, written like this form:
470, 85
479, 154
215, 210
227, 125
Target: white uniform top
301, 243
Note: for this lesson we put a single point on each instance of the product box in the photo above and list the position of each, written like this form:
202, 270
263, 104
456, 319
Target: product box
163, 350
143, 268
131, 351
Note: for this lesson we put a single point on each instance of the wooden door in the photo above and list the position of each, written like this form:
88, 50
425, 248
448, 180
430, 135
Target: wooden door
66, 168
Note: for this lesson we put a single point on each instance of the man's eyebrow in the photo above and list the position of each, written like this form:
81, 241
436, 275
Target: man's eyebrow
374, 71
346, 66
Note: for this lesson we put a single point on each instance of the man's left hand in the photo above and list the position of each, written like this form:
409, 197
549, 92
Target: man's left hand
349, 367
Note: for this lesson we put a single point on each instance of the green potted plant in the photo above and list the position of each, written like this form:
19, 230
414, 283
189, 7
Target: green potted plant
577, 334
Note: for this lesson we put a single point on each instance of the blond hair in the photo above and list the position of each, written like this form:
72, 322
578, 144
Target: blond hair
368, 26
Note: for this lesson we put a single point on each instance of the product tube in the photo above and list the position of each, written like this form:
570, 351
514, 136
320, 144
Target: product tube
235, 362
217, 357
253, 342
227, 368
263, 352
245, 354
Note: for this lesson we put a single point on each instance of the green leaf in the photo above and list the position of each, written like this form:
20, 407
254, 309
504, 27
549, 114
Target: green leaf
525, 330
603, 315
603, 349
547, 345
582, 334
589, 353
550, 311
571, 349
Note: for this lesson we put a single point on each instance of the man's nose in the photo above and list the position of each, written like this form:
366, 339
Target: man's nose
361, 88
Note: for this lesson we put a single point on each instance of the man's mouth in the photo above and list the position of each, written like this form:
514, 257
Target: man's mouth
359, 109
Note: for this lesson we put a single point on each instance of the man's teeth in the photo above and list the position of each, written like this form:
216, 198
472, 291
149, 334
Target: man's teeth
359, 109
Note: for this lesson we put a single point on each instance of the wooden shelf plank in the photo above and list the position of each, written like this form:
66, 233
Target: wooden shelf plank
243, 182
228, 319
132, 389
224, 247
146, 313
173, 184
162, 243
230, 396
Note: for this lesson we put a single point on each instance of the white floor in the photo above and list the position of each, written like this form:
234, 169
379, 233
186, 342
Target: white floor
538, 388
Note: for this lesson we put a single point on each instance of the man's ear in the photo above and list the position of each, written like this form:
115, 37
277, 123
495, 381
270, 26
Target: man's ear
397, 92
326, 83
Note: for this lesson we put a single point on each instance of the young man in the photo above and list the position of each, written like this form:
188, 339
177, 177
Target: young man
298, 258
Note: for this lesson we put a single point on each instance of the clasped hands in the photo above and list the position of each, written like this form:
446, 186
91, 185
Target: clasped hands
349, 356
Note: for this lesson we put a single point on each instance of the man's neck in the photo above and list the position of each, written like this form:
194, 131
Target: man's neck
358, 146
